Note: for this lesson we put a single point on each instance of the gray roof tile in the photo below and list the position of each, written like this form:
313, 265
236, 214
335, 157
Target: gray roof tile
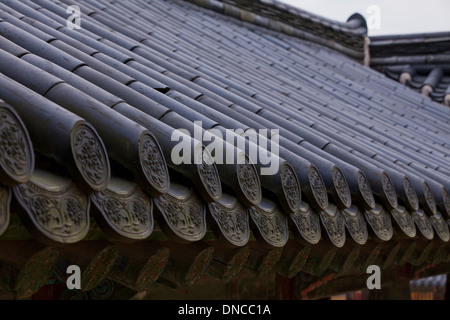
357, 151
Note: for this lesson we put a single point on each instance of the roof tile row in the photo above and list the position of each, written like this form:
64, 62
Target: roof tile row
359, 156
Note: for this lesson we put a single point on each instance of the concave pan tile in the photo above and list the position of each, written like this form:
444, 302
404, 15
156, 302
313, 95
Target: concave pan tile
181, 213
124, 210
229, 220
334, 225
380, 222
53, 207
403, 221
305, 225
424, 225
355, 224
269, 224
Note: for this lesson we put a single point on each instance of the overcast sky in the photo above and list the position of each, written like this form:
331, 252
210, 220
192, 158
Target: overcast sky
395, 16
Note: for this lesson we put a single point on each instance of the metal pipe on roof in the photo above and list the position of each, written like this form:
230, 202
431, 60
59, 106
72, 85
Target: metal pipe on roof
97, 72
344, 127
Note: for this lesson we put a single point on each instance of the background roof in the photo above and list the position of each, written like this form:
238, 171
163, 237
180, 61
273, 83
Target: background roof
396, 17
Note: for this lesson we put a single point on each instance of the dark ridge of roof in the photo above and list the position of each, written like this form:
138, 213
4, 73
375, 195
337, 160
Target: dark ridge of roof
348, 37
438, 39
362, 158
421, 61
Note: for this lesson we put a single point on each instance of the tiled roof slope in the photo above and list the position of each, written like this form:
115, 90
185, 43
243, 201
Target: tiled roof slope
420, 61
348, 38
87, 118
